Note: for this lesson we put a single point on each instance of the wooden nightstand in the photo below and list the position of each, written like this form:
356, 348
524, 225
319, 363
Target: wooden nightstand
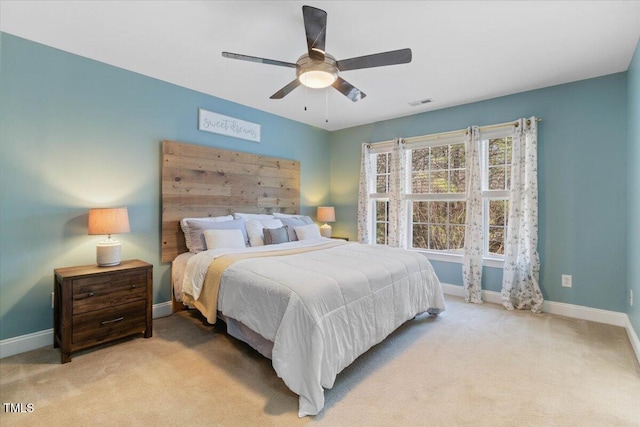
93, 305
339, 237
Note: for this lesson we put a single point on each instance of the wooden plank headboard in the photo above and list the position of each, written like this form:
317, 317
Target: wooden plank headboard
199, 181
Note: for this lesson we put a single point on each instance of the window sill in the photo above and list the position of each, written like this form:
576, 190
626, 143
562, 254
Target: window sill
493, 262
457, 258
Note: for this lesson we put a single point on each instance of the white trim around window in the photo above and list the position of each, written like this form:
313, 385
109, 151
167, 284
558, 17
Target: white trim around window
457, 258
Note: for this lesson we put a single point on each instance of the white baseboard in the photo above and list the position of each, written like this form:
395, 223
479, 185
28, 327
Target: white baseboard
11, 346
24, 343
162, 309
586, 313
633, 337
568, 310
28, 342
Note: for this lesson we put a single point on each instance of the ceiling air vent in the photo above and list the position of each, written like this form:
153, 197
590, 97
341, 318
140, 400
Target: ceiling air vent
421, 102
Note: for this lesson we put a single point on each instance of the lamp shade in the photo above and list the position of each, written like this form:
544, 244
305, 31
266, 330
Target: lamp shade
326, 214
108, 221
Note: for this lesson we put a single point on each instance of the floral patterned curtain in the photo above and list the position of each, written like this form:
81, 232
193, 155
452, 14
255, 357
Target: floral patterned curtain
366, 174
397, 216
474, 234
520, 288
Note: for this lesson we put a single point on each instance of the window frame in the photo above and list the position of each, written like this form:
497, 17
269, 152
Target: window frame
491, 195
430, 141
375, 149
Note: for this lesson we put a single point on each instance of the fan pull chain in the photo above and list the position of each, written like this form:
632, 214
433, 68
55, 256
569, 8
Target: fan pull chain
326, 105
306, 89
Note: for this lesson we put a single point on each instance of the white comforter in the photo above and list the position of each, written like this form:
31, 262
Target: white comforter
322, 309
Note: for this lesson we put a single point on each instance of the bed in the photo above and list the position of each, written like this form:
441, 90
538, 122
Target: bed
310, 304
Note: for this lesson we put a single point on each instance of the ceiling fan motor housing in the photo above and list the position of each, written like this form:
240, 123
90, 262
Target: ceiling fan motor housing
316, 74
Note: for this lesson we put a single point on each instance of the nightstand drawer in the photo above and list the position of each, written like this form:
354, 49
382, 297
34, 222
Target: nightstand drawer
97, 326
108, 290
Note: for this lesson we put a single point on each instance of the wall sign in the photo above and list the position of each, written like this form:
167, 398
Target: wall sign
225, 125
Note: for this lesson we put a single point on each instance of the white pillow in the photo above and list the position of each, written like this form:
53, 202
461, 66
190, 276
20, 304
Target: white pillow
309, 231
184, 224
307, 219
284, 215
217, 239
250, 216
211, 218
254, 230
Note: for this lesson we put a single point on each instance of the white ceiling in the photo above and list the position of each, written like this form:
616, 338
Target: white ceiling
463, 51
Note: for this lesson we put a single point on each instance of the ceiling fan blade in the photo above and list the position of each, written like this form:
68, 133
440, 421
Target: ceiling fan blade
402, 56
315, 26
256, 59
348, 90
285, 90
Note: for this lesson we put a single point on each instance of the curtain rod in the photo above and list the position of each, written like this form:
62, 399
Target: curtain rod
538, 120
455, 132
440, 135
451, 133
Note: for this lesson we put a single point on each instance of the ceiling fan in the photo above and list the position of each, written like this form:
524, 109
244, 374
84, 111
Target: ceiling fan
317, 69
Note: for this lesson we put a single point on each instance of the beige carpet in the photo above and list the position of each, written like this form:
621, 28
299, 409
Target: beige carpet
473, 365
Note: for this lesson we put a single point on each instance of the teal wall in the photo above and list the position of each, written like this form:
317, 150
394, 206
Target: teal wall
75, 134
633, 218
582, 167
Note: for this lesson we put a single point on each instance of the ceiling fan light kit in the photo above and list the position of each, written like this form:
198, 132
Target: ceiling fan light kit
315, 74
317, 69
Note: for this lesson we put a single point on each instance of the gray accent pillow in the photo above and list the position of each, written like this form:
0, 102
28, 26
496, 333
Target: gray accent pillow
295, 221
197, 228
273, 236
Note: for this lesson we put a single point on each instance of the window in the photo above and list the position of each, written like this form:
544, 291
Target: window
496, 180
380, 198
435, 191
437, 195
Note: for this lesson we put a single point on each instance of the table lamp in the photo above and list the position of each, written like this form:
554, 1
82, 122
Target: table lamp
326, 214
108, 221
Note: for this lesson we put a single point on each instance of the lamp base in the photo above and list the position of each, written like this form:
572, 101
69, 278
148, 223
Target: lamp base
108, 253
325, 230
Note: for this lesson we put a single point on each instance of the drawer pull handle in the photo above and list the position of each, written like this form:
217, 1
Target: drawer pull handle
133, 286
90, 294
105, 322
